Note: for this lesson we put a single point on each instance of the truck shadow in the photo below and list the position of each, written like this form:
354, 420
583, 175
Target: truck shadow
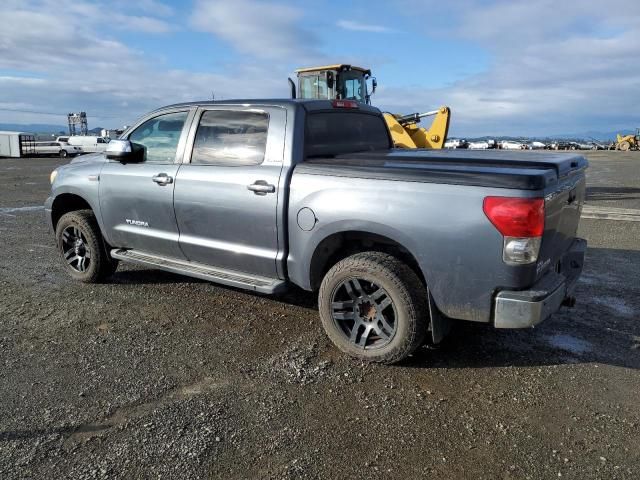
604, 327
560, 342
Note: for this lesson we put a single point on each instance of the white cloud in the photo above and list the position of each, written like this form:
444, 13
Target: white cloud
269, 31
72, 67
555, 68
362, 27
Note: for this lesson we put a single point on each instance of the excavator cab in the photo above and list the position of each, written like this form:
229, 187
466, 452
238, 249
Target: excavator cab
340, 81
348, 82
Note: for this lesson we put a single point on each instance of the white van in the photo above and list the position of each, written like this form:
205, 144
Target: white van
88, 143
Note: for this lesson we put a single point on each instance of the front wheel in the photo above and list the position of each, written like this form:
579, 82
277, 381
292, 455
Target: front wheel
81, 247
374, 307
63, 153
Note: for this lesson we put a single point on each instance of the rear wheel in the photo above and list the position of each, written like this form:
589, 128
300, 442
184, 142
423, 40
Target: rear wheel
374, 307
82, 248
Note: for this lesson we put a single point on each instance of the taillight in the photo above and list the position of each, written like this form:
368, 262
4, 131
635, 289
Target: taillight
345, 104
516, 217
521, 223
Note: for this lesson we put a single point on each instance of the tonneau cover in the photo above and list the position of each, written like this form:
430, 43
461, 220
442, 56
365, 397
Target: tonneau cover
491, 168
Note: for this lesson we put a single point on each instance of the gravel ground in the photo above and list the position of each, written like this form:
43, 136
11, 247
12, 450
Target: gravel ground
158, 375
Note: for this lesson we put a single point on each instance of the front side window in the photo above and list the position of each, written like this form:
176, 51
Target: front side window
353, 86
158, 137
230, 138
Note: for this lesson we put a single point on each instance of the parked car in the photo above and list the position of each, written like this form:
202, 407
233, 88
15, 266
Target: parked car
56, 148
509, 145
536, 146
455, 143
265, 195
89, 143
478, 145
565, 145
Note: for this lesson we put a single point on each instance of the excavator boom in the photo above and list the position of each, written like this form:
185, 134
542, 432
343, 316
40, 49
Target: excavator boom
406, 133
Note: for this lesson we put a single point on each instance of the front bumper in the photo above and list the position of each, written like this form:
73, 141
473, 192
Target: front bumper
48, 204
527, 308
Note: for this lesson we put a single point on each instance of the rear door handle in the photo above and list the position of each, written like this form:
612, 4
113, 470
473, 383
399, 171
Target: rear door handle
162, 179
260, 187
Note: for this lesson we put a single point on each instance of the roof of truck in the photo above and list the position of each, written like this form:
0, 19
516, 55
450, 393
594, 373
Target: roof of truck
276, 102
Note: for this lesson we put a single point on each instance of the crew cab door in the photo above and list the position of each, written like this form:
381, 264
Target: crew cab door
136, 199
226, 192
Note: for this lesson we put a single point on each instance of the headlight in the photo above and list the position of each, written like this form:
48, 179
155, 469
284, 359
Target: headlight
52, 177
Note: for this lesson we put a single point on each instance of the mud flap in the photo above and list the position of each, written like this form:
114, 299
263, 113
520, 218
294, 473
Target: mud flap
439, 325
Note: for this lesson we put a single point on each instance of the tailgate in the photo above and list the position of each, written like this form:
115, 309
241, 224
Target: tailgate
563, 207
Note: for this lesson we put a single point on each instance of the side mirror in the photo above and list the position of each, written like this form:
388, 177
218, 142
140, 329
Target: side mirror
374, 85
292, 87
122, 151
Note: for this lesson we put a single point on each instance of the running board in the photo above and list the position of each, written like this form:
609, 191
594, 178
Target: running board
204, 272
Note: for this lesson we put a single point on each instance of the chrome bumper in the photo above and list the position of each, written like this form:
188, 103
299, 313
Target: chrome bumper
527, 308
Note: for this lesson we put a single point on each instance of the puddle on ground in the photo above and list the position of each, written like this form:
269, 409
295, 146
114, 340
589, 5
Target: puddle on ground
616, 304
569, 343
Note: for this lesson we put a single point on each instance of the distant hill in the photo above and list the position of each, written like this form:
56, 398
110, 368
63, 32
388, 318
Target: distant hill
33, 127
42, 128
604, 137
590, 135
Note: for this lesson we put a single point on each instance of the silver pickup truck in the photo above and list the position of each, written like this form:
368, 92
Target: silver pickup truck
265, 194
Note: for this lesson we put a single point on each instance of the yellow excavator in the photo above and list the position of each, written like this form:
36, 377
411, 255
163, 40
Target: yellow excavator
628, 142
348, 82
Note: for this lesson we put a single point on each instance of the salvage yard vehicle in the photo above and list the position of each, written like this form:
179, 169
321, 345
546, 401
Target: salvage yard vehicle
89, 143
266, 194
628, 142
348, 82
56, 148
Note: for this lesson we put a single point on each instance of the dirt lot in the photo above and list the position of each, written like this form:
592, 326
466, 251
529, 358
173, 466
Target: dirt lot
157, 375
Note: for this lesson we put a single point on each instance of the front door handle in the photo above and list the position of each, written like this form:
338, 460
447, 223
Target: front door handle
162, 179
260, 187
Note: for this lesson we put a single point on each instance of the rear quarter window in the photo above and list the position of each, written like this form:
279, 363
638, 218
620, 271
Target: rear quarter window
333, 133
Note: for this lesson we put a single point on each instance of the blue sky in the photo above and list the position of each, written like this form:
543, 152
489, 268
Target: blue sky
538, 67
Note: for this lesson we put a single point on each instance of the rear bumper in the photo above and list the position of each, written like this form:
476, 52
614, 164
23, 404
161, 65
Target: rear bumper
527, 308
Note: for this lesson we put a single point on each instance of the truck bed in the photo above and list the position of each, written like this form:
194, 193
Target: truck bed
501, 169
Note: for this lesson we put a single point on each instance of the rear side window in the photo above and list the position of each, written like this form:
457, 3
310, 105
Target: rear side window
230, 138
333, 133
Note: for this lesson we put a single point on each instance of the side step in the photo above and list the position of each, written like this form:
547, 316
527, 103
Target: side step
204, 272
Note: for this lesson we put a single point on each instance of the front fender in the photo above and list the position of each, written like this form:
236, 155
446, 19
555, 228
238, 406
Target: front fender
81, 180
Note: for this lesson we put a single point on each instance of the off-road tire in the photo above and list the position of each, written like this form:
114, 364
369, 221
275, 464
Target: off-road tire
406, 291
101, 265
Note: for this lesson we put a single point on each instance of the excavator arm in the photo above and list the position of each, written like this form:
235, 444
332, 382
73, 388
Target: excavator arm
406, 133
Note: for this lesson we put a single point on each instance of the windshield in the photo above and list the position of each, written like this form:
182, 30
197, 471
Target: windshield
352, 86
